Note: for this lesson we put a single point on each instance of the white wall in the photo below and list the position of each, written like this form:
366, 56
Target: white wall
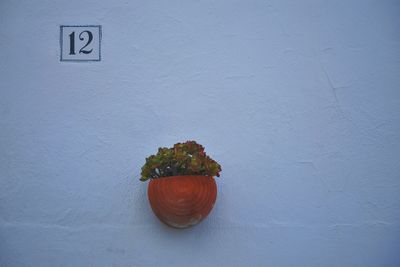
298, 100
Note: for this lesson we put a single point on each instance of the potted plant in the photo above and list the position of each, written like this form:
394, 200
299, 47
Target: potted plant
182, 190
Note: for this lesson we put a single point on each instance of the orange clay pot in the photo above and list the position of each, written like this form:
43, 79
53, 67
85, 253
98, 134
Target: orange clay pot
182, 201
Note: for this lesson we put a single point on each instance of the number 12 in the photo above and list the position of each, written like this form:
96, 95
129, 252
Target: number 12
72, 42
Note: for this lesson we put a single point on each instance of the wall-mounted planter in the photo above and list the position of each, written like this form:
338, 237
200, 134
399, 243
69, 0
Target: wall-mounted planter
182, 190
182, 201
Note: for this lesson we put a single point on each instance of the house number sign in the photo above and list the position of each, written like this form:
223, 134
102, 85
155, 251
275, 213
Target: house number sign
80, 42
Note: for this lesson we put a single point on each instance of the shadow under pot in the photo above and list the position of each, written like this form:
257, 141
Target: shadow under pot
182, 201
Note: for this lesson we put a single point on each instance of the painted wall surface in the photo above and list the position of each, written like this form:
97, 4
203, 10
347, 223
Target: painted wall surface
298, 100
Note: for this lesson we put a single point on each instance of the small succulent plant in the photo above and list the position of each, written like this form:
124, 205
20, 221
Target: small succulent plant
186, 158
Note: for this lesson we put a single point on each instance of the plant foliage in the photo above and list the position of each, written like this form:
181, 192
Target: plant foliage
186, 158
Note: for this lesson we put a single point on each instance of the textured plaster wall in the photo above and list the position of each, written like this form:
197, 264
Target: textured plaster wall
298, 100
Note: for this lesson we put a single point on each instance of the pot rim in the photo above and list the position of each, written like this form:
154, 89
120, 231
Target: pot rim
177, 176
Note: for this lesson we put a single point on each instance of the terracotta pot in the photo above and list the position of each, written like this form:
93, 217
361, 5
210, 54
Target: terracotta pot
182, 201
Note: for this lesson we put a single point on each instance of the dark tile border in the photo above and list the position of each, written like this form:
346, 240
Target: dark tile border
79, 60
